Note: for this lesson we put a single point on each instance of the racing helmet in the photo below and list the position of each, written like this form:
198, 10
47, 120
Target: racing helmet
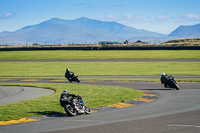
163, 74
65, 92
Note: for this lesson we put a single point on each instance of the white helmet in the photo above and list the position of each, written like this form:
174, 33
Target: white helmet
163, 74
65, 91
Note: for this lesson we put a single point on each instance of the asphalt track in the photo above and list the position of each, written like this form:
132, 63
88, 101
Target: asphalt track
11, 94
173, 112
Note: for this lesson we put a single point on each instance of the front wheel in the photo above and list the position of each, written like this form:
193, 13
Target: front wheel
174, 85
87, 109
70, 110
69, 79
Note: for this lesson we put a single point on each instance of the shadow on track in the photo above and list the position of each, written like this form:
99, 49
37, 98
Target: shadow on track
166, 89
51, 114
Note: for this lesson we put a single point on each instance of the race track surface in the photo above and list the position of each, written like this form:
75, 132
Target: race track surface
11, 94
172, 112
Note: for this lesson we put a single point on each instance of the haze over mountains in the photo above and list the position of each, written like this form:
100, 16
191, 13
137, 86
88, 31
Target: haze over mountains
192, 31
84, 31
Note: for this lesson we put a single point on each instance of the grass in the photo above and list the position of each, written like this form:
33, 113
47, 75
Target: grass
94, 96
100, 54
23, 69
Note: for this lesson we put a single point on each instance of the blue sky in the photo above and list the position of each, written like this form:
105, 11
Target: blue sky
161, 16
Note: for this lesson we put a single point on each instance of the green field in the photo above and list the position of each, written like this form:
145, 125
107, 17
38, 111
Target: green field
94, 96
100, 54
24, 69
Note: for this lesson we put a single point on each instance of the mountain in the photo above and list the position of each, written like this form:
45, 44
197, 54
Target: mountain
81, 30
192, 31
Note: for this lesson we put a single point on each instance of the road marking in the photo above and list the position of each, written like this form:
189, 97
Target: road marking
91, 80
22, 120
151, 95
4, 79
60, 80
144, 99
121, 105
180, 125
93, 111
145, 91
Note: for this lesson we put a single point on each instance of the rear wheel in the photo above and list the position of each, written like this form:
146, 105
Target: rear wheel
70, 110
69, 79
174, 85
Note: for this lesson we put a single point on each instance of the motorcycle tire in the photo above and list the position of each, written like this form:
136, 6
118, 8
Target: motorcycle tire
174, 85
87, 109
77, 79
70, 80
70, 110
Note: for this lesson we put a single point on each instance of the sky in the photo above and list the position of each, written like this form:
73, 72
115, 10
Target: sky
161, 16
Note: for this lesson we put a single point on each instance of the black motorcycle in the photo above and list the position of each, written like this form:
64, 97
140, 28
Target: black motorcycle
73, 106
172, 83
73, 78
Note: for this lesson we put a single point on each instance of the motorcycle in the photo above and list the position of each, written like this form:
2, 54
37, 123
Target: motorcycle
172, 83
73, 106
73, 78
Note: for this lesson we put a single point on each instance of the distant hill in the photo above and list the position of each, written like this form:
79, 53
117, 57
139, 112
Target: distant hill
192, 31
81, 30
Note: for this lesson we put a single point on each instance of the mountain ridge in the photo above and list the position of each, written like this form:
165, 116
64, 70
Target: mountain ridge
84, 31
80, 30
188, 31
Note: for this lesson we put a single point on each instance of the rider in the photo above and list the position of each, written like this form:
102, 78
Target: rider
69, 73
165, 78
65, 95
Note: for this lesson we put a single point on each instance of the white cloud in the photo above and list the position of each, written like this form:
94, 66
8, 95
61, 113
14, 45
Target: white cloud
126, 18
192, 16
7, 15
163, 17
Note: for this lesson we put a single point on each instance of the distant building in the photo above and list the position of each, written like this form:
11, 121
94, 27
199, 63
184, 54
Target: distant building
126, 42
139, 41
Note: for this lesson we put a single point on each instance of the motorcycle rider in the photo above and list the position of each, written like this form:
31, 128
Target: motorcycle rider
65, 95
69, 73
165, 79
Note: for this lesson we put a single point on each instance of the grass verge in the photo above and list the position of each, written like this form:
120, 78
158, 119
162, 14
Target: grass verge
23, 69
100, 54
93, 95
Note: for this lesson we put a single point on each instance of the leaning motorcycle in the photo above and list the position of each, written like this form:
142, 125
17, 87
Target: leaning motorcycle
172, 83
73, 106
73, 78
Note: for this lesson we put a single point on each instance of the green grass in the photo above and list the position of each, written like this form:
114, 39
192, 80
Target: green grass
23, 69
100, 54
94, 96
